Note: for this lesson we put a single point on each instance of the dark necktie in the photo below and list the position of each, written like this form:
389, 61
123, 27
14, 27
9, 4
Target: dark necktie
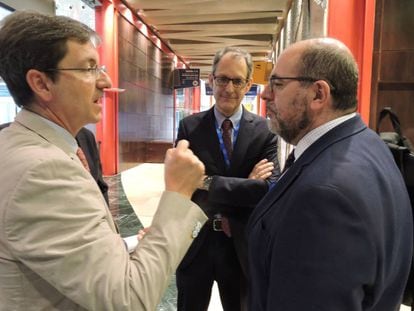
82, 158
227, 126
289, 161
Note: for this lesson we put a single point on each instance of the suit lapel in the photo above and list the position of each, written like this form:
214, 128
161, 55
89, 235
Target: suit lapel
33, 122
246, 131
211, 141
274, 193
342, 131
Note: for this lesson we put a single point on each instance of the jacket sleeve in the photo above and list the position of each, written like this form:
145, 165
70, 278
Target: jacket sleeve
244, 192
58, 226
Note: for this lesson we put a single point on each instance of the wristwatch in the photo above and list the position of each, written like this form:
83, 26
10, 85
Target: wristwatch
206, 183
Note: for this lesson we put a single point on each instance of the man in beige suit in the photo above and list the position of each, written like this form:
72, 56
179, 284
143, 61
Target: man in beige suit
59, 249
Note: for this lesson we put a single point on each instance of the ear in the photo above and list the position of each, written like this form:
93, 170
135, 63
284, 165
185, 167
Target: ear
249, 84
210, 79
40, 84
321, 94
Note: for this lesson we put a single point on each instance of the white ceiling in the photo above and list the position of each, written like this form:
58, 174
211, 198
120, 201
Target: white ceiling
196, 29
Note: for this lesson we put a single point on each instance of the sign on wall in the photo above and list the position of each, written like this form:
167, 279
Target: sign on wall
186, 78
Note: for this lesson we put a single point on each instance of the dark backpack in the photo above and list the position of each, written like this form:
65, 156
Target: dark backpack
403, 152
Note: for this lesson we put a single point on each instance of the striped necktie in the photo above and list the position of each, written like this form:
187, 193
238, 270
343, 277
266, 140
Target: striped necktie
227, 126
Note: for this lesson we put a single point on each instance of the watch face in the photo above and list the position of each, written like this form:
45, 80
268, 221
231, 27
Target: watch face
207, 182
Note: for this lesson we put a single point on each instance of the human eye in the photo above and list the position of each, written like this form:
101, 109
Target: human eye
93, 69
277, 83
222, 80
238, 82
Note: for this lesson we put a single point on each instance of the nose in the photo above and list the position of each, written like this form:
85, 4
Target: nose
266, 93
104, 81
228, 85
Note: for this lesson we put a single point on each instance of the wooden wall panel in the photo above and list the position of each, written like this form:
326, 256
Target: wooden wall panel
398, 24
393, 63
397, 66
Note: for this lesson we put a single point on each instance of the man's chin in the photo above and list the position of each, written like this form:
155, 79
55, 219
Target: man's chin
272, 126
96, 118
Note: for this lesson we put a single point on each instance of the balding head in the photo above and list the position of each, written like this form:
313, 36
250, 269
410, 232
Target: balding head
313, 82
331, 60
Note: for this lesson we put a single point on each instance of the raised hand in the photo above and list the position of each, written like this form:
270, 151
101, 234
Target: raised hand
183, 171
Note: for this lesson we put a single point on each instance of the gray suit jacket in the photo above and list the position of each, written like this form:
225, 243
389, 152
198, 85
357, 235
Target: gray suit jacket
59, 249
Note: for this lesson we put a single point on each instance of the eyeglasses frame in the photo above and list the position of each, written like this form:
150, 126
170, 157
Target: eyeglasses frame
97, 70
232, 81
299, 78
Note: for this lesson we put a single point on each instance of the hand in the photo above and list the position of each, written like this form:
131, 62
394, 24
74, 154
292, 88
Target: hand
262, 170
183, 171
142, 233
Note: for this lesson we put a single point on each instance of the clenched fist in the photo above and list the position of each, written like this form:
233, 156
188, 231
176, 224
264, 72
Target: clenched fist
183, 170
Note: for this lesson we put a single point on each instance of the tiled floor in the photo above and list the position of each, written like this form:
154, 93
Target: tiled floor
139, 189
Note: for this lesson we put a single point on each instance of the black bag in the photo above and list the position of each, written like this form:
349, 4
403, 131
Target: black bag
403, 152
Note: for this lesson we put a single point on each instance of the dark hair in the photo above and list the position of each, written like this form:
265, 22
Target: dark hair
30, 40
336, 65
237, 52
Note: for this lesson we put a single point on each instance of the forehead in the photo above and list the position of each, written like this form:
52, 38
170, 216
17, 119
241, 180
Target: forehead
287, 63
232, 65
80, 52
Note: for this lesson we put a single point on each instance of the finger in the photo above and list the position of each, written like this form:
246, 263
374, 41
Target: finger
267, 166
261, 162
183, 145
267, 175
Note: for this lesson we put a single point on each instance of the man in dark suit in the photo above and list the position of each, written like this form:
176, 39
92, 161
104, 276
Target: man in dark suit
237, 178
86, 141
335, 232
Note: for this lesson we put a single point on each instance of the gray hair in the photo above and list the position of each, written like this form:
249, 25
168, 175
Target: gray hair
237, 52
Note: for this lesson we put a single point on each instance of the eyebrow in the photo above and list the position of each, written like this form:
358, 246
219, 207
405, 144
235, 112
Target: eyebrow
276, 76
224, 76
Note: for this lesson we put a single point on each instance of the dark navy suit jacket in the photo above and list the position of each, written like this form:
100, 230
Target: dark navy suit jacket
335, 233
231, 193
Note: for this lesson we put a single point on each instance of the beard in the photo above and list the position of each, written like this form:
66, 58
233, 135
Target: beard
290, 129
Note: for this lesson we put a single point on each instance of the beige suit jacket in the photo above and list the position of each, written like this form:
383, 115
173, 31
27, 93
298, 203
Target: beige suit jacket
59, 249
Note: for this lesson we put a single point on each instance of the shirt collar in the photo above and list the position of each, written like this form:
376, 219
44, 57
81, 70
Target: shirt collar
235, 118
316, 133
63, 133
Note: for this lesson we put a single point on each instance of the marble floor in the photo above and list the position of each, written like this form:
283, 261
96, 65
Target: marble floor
133, 199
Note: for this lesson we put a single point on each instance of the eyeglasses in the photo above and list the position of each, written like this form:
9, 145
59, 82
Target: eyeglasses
95, 71
223, 81
276, 83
